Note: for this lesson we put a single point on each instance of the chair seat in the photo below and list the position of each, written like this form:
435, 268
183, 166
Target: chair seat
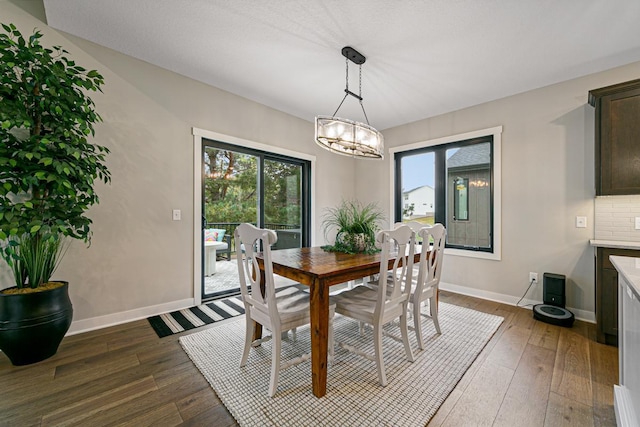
425, 292
414, 285
293, 303
360, 303
293, 308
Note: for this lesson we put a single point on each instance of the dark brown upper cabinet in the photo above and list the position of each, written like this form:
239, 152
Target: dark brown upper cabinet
617, 138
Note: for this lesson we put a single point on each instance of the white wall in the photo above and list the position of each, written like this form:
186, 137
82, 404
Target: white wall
547, 180
141, 261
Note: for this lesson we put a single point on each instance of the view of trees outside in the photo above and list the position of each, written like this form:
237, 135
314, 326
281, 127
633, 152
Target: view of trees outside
282, 194
231, 189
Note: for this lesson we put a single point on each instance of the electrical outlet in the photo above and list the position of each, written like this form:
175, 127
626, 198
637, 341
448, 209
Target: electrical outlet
533, 277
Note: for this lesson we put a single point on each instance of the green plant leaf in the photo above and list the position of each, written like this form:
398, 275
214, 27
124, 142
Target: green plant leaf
49, 103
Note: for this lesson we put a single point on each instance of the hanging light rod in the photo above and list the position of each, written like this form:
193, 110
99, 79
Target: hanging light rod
345, 136
356, 57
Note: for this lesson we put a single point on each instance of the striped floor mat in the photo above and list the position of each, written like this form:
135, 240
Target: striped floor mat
191, 318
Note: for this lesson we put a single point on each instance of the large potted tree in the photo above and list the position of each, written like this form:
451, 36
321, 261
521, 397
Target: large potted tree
48, 166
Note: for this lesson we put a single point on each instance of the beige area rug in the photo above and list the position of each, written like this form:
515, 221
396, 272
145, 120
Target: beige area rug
414, 392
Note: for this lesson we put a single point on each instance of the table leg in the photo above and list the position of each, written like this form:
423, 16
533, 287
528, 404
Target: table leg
319, 312
209, 260
212, 261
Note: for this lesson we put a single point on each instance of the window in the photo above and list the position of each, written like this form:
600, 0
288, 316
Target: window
460, 199
453, 181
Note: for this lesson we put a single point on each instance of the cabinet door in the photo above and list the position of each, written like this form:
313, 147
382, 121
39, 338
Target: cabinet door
607, 294
619, 143
609, 302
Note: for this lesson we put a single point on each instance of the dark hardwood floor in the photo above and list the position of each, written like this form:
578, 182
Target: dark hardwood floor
530, 374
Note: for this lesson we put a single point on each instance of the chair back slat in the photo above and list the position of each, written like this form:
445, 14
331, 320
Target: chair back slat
430, 267
249, 241
398, 243
415, 226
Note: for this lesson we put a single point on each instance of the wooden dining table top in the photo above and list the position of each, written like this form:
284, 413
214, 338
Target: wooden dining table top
305, 264
314, 264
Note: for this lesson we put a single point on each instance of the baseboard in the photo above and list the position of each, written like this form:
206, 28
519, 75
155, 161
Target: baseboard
93, 323
584, 315
86, 325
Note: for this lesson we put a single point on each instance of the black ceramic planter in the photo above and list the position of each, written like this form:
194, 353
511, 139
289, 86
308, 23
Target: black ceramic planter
33, 325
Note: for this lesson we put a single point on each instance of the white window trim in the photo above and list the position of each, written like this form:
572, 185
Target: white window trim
198, 135
496, 255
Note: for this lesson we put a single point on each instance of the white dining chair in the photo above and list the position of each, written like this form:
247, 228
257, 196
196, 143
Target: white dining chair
426, 277
382, 304
426, 284
279, 309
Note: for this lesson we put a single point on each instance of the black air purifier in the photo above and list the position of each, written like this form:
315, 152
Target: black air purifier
554, 298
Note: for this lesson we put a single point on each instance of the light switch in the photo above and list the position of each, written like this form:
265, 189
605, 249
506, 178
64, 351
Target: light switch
638, 223
177, 215
581, 222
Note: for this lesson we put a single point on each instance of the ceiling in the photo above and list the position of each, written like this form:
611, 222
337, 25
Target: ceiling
424, 58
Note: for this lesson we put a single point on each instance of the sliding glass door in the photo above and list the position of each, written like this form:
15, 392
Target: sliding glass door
283, 196
245, 185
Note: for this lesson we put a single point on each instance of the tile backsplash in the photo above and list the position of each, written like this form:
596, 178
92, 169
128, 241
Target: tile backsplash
615, 218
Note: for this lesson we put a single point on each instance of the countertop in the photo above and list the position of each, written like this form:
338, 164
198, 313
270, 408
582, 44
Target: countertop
614, 244
629, 268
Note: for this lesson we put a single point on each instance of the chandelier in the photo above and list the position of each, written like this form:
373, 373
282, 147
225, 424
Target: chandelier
345, 136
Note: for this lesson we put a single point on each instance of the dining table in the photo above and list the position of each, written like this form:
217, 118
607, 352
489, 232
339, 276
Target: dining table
320, 269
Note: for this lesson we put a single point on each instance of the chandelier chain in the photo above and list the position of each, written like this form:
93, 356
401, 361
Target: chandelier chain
360, 93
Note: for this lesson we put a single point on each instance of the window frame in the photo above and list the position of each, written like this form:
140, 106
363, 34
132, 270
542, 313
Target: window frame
396, 153
198, 135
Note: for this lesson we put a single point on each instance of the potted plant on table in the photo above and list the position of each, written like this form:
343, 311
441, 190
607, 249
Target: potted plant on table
47, 170
356, 226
